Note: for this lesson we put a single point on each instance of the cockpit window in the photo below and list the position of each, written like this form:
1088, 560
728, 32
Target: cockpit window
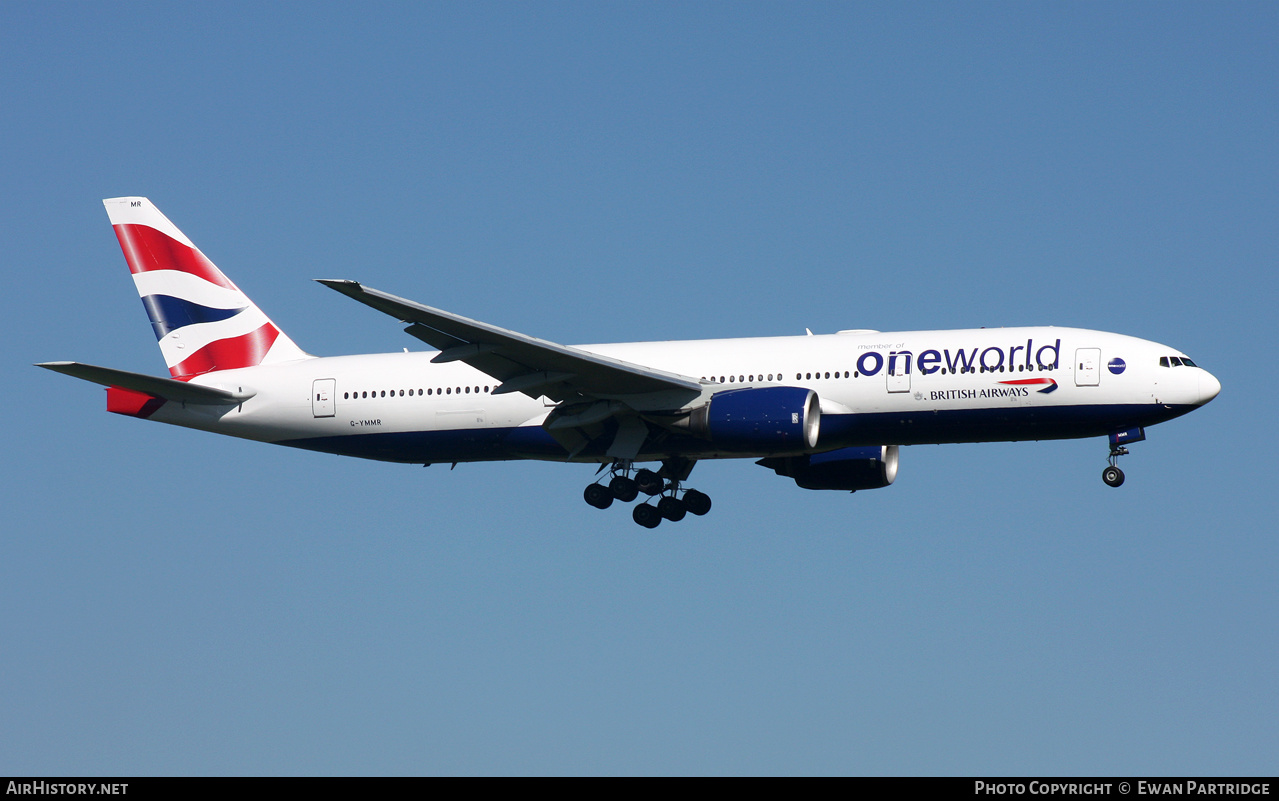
1163, 361
1187, 362
1176, 361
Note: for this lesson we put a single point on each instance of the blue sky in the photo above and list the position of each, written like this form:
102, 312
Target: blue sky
179, 603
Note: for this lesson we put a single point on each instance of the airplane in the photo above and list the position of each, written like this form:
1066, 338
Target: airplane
828, 411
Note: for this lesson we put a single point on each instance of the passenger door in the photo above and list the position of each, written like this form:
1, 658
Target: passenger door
898, 373
1087, 367
322, 392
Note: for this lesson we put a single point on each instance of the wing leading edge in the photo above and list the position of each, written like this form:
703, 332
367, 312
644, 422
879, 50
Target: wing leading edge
526, 364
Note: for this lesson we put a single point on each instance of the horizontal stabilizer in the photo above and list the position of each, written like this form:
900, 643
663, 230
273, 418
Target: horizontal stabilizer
166, 388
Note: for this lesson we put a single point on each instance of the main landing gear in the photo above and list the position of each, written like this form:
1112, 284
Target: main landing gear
673, 502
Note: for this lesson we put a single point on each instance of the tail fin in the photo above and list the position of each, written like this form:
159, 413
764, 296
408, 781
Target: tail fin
203, 321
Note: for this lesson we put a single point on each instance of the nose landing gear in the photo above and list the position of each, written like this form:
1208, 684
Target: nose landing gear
673, 502
1112, 475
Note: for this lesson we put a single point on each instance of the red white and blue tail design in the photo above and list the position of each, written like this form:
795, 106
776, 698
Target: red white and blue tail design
203, 322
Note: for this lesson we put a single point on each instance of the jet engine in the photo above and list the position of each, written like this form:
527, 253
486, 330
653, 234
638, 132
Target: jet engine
848, 469
759, 419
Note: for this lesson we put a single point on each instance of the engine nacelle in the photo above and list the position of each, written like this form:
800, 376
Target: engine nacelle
759, 419
848, 469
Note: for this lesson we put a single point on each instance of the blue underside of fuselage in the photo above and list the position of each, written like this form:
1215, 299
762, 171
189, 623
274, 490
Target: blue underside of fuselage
837, 431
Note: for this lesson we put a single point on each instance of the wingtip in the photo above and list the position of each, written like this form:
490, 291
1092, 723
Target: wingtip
338, 283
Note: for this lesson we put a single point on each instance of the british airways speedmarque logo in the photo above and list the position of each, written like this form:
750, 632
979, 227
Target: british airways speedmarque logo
1048, 384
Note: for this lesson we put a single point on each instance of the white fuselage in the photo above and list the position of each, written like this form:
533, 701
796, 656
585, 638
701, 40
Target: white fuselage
875, 388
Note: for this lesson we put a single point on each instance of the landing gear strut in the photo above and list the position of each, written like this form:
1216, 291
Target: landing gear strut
673, 502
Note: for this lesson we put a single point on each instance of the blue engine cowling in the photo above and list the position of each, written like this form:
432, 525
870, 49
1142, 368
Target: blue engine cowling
848, 469
760, 419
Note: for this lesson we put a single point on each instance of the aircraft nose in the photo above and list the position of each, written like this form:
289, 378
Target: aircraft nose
1209, 386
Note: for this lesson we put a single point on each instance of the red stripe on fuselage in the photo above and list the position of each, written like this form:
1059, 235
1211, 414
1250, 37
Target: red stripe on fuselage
228, 354
146, 249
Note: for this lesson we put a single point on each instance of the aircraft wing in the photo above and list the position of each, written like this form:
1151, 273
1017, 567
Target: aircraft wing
523, 363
